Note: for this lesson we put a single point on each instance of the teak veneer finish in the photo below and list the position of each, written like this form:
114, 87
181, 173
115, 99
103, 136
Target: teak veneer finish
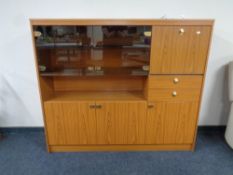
115, 122
151, 22
174, 52
172, 122
157, 147
63, 96
93, 83
129, 113
167, 94
184, 81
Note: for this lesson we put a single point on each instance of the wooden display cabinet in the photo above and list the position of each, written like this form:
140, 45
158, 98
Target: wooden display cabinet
117, 85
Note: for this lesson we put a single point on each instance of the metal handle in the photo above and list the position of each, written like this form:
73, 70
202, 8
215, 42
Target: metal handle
175, 80
97, 68
92, 105
98, 106
181, 31
198, 32
150, 105
90, 68
174, 93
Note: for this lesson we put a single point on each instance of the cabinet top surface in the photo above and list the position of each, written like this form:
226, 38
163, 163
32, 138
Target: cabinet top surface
208, 22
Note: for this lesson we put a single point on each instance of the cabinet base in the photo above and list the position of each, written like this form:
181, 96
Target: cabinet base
79, 148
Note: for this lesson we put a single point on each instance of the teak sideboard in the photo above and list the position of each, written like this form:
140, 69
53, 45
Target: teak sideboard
121, 85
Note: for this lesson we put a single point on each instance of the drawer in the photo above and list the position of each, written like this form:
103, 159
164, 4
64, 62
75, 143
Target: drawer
173, 81
173, 94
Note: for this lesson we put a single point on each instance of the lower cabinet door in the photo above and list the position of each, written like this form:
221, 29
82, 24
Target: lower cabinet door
170, 122
70, 123
78, 123
121, 122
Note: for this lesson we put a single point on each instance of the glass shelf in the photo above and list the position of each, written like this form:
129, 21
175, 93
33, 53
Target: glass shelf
102, 72
57, 45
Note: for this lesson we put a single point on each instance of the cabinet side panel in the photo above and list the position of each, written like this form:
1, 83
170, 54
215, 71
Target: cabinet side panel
45, 88
202, 88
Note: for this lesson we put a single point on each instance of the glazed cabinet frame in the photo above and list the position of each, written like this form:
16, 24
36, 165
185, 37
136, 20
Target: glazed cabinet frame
158, 111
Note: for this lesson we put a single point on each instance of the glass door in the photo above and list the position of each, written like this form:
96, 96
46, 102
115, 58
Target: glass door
93, 50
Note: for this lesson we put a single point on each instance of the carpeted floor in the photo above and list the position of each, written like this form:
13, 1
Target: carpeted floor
24, 153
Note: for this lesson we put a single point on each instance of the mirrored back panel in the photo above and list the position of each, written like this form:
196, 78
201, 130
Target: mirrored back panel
93, 50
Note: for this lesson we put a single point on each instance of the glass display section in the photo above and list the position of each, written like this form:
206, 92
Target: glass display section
93, 50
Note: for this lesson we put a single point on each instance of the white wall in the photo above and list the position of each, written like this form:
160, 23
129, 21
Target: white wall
19, 96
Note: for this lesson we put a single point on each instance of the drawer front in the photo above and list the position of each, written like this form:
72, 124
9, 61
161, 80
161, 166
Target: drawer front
173, 81
173, 94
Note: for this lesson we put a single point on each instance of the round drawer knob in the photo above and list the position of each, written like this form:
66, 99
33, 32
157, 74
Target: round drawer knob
198, 32
176, 80
181, 31
174, 93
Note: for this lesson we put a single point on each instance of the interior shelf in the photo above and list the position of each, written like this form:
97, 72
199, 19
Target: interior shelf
109, 72
78, 45
53, 45
95, 96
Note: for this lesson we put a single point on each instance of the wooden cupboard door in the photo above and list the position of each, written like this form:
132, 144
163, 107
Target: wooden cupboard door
171, 122
121, 122
179, 49
70, 123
